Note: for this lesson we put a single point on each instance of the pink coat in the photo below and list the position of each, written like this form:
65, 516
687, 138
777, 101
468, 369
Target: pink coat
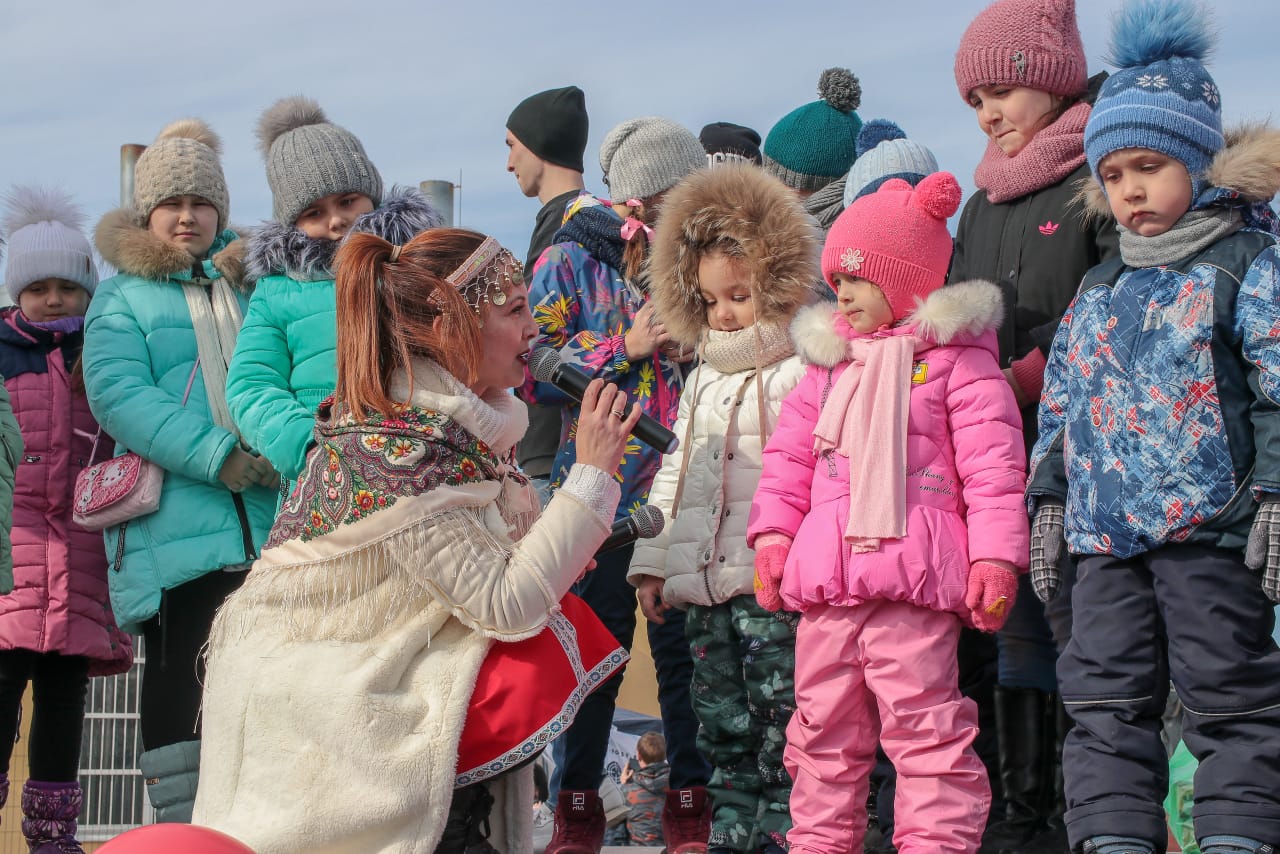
59, 601
966, 465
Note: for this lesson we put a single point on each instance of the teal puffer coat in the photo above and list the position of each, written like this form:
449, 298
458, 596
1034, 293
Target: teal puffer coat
139, 353
285, 362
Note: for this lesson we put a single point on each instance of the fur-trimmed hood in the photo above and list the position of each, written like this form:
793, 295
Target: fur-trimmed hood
1248, 167
132, 249
956, 314
732, 204
281, 248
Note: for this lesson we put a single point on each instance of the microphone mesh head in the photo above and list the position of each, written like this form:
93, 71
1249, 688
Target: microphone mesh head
649, 521
543, 364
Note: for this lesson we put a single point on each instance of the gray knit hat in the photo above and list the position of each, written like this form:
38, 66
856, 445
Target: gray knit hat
183, 161
309, 158
46, 240
644, 157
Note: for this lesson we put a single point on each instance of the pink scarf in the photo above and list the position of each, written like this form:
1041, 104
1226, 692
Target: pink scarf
1051, 155
865, 419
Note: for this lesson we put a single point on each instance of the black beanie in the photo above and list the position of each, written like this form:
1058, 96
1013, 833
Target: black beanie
553, 125
728, 138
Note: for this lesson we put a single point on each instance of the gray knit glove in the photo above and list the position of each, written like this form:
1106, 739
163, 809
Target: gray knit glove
1262, 554
1048, 543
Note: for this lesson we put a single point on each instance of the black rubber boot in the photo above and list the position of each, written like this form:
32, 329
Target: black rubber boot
466, 830
1024, 724
1053, 839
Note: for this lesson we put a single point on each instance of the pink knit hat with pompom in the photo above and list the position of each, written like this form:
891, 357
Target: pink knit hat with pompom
1032, 43
897, 239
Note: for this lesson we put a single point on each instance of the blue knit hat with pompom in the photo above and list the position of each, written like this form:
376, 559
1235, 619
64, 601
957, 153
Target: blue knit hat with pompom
1162, 98
884, 152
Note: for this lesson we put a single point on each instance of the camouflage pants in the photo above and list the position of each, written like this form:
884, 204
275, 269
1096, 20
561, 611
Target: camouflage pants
743, 694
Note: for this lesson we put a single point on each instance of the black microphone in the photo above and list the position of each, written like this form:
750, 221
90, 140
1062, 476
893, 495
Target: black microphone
546, 366
643, 524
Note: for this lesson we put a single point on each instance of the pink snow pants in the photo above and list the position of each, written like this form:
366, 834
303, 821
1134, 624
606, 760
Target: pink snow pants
883, 671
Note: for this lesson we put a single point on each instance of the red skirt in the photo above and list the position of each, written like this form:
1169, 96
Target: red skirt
529, 692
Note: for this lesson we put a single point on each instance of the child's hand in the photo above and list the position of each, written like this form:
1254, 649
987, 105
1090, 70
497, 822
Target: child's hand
1262, 554
240, 470
651, 603
1048, 542
771, 559
993, 588
266, 474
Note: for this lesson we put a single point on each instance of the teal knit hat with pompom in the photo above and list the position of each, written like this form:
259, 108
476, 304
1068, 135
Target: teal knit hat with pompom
813, 145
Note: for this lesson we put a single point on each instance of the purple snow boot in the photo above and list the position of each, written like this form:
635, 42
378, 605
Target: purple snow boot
49, 813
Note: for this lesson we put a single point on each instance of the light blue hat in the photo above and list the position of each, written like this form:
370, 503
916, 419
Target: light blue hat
884, 152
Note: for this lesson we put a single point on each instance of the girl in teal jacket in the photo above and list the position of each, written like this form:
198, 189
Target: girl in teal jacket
322, 187
161, 394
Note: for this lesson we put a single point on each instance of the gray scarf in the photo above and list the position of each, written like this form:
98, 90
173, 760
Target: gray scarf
1195, 232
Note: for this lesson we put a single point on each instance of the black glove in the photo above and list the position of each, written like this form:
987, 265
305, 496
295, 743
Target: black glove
1048, 543
1262, 554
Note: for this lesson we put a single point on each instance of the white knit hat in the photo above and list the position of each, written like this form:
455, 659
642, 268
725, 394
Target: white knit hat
43, 229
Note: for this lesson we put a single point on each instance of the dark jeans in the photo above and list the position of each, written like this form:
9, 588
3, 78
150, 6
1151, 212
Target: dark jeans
58, 687
1035, 634
173, 677
674, 665
1197, 615
586, 741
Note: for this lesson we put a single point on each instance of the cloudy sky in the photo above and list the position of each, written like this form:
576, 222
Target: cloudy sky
427, 85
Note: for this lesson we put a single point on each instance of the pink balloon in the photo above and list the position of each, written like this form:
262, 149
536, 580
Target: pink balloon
172, 838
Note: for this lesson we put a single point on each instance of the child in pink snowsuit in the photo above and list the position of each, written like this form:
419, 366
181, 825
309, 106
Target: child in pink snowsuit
889, 513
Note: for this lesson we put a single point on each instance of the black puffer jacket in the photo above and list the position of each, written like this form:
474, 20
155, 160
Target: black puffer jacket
1037, 248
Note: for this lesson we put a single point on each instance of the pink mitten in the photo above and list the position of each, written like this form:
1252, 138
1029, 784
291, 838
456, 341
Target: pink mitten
771, 557
993, 587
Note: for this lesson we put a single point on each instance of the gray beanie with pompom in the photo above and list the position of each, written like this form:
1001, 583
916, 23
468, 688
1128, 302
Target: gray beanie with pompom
309, 158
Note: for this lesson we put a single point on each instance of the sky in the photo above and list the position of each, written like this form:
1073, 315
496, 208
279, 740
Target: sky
427, 85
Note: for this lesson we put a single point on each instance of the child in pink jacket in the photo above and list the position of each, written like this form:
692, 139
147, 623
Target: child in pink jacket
889, 513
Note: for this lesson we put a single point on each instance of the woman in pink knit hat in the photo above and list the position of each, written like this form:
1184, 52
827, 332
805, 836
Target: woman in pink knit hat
1021, 67
889, 513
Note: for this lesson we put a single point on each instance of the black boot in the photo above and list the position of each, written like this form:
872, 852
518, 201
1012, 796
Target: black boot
466, 830
1053, 839
1023, 725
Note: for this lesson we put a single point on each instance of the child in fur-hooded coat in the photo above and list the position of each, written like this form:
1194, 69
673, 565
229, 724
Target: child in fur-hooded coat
323, 186
734, 258
888, 514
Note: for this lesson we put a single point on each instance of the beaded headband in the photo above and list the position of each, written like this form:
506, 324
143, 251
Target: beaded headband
483, 277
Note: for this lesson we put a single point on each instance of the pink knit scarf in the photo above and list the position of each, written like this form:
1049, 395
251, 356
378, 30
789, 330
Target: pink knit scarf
1052, 154
865, 419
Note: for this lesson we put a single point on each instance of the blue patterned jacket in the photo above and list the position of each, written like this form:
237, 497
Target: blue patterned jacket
1160, 419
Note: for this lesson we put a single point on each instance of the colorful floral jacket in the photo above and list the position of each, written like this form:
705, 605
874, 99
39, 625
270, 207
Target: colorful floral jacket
1161, 406
584, 309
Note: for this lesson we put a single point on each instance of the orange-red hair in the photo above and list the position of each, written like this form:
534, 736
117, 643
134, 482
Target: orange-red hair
390, 312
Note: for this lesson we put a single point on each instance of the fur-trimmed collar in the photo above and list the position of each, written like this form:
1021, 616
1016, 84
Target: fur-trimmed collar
1249, 164
281, 248
134, 250
956, 314
738, 204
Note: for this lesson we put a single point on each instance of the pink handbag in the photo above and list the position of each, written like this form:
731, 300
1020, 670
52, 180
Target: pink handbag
119, 489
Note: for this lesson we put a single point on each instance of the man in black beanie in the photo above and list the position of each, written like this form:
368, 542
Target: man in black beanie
546, 138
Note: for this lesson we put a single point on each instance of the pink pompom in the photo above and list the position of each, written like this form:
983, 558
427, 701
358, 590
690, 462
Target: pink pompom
939, 194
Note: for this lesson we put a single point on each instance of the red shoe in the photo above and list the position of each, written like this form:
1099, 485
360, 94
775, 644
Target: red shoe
579, 823
686, 820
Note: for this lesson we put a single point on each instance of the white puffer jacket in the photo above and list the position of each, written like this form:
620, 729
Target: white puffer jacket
702, 552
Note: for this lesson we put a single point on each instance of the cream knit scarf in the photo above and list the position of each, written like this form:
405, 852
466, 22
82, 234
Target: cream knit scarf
216, 318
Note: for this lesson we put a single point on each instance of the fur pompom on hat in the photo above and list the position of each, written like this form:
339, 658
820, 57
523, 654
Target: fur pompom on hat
1162, 97
884, 152
813, 145
183, 161
308, 158
1032, 43
748, 215
644, 157
897, 239
44, 229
